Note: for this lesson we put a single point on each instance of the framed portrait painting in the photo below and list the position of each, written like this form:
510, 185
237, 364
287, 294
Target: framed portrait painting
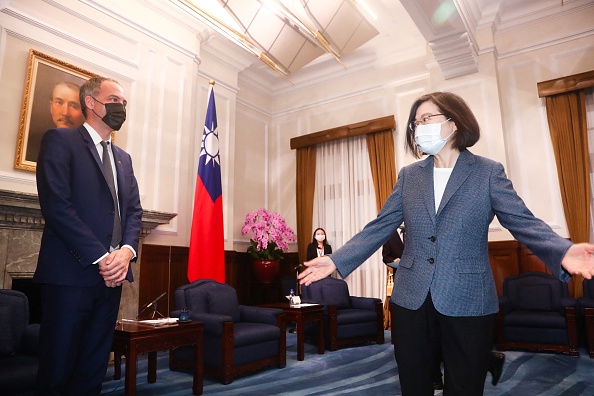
50, 100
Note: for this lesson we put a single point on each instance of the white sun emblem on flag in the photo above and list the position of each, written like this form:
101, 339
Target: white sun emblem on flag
210, 146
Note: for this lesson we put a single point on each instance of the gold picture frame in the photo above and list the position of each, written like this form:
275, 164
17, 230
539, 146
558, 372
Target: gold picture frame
48, 102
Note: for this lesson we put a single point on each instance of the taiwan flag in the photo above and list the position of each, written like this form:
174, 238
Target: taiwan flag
207, 251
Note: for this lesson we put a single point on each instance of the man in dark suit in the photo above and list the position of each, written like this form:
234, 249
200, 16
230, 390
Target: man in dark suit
91, 234
393, 249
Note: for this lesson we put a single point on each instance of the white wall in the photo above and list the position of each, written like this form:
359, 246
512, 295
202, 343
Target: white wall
164, 61
503, 95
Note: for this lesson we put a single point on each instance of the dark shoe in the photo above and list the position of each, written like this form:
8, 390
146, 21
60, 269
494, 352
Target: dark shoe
438, 385
496, 366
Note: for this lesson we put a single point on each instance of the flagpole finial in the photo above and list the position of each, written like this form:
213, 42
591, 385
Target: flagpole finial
212, 82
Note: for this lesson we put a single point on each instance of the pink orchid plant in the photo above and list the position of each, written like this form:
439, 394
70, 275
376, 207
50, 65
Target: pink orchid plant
270, 234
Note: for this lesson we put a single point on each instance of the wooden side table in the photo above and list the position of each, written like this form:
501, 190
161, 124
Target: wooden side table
301, 314
133, 338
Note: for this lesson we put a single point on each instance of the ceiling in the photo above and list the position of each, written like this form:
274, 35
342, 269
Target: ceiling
453, 30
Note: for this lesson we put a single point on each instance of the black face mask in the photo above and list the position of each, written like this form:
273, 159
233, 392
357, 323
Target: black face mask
115, 115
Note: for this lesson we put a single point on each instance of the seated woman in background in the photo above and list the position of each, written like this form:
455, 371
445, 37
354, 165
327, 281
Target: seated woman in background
319, 245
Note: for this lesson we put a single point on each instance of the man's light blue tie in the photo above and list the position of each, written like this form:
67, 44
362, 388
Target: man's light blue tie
116, 236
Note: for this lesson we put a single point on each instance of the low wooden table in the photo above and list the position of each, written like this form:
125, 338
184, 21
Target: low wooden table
133, 338
301, 314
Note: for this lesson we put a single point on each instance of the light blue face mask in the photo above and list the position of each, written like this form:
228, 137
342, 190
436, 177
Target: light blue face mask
428, 138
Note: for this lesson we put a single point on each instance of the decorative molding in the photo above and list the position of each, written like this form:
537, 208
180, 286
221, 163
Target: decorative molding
575, 82
360, 128
20, 210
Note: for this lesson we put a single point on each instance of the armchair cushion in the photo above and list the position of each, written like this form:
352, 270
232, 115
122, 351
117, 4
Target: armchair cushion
254, 333
352, 316
6, 341
534, 319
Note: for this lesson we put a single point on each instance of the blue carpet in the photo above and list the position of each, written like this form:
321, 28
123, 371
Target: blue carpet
370, 370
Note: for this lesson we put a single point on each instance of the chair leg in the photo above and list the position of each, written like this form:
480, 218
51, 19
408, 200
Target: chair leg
572, 334
379, 310
589, 316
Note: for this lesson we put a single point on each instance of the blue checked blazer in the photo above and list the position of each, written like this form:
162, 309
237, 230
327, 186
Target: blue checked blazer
446, 253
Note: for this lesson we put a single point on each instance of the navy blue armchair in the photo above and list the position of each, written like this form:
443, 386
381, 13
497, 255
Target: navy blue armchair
19, 342
586, 312
536, 313
238, 339
348, 320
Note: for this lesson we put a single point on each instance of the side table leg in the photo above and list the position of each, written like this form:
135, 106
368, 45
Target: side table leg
197, 383
300, 339
117, 366
321, 336
130, 386
151, 377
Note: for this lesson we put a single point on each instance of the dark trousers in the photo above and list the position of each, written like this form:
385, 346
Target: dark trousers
77, 328
465, 348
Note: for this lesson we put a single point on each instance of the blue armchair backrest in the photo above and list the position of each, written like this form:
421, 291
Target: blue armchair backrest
208, 296
534, 291
14, 318
328, 291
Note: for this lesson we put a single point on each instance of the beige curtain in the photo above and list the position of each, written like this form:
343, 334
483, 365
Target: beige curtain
566, 114
380, 146
306, 178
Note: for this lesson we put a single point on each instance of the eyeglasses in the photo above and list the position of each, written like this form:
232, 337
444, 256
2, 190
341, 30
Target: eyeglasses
424, 120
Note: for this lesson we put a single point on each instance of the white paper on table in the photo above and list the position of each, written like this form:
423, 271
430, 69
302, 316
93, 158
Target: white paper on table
159, 321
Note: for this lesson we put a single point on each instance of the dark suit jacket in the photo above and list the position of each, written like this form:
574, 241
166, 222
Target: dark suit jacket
312, 250
392, 249
78, 209
446, 251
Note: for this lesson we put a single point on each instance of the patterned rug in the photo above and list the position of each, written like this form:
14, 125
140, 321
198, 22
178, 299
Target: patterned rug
368, 370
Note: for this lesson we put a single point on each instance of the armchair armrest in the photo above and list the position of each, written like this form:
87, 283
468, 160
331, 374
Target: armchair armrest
586, 302
367, 303
213, 323
568, 301
259, 314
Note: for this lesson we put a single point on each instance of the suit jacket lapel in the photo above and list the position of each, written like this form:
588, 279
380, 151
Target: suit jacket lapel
120, 176
426, 179
92, 148
462, 169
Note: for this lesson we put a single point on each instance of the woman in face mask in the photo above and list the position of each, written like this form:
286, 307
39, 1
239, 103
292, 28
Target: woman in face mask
444, 288
319, 245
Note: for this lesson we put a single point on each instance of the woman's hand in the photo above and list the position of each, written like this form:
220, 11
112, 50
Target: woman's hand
317, 269
579, 260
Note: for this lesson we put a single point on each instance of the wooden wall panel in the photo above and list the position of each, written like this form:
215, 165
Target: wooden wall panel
512, 258
164, 269
504, 261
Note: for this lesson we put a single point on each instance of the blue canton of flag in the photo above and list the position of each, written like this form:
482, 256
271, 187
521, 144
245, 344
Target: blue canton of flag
209, 166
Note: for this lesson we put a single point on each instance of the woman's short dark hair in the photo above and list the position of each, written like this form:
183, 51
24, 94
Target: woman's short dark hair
454, 107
